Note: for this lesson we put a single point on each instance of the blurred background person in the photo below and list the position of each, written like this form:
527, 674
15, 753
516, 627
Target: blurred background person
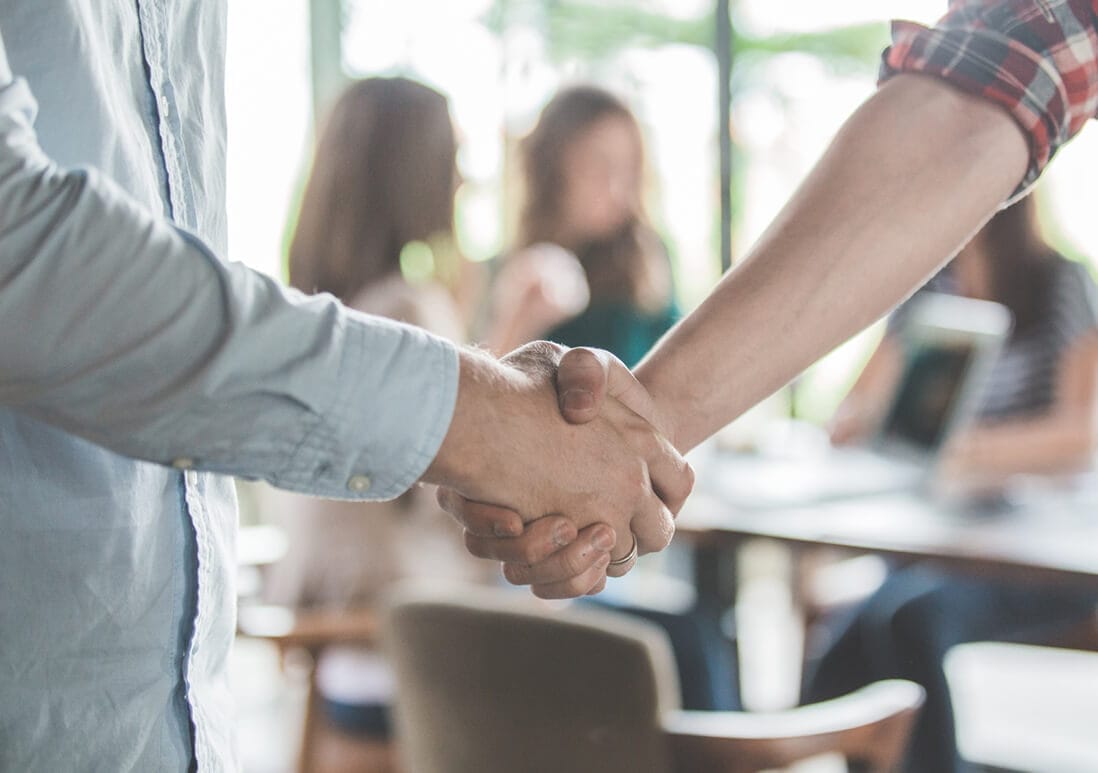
1036, 414
382, 184
584, 170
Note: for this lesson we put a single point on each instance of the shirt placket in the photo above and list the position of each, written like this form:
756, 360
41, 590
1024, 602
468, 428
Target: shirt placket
153, 34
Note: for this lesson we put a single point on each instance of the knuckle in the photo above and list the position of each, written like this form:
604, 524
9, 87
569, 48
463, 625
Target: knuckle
658, 538
572, 564
545, 351
530, 552
675, 489
689, 477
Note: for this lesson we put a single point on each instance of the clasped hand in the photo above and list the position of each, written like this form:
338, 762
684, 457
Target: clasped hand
592, 468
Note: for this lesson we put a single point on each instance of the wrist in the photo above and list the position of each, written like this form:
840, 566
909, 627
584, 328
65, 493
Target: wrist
663, 415
460, 460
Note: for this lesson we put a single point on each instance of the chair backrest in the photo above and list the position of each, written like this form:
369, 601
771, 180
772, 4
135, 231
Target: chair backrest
491, 682
494, 683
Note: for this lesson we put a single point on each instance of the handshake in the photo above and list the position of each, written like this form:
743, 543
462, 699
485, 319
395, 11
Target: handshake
559, 464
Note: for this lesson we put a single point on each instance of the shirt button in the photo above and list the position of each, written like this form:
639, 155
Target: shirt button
359, 483
183, 463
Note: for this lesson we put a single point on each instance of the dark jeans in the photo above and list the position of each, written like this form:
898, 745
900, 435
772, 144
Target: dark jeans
372, 720
905, 630
704, 657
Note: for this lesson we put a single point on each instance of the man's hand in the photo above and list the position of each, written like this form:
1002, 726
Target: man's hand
553, 554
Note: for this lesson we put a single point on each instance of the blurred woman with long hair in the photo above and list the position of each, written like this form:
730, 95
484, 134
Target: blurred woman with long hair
583, 166
381, 187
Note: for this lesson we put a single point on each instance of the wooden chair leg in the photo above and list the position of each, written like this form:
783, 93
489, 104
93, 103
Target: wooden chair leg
307, 752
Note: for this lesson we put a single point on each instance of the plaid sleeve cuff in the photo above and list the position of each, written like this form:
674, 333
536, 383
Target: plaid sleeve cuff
1037, 60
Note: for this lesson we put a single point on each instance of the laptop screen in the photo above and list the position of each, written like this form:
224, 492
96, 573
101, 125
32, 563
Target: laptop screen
929, 392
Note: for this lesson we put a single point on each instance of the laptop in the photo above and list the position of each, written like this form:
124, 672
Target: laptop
949, 345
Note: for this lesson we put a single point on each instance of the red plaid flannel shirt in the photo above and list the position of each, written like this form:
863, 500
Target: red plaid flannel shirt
1036, 58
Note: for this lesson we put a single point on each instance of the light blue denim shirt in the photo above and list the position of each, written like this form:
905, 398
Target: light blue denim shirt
123, 336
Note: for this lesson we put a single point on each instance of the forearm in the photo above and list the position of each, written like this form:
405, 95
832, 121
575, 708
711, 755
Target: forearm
464, 459
1055, 444
904, 184
125, 331
1062, 439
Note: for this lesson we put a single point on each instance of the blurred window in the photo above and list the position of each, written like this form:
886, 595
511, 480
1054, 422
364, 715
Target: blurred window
800, 67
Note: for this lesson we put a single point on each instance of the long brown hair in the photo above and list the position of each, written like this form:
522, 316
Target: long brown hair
1021, 263
382, 176
631, 264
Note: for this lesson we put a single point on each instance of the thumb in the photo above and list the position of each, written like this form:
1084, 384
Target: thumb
582, 376
586, 377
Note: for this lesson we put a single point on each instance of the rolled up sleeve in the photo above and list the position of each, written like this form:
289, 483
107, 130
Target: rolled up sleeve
1038, 59
125, 330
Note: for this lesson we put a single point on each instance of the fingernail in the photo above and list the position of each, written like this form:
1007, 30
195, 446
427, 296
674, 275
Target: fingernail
505, 530
562, 535
577, 400
603, 540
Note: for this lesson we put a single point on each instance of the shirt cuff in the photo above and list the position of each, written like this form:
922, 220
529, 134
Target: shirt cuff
1050, 90
393, 403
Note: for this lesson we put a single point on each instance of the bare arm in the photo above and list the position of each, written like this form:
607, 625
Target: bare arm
908, 179
1061, 440
538, 288
864, 405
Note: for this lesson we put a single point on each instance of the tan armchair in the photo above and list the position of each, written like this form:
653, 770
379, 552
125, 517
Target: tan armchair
491, 683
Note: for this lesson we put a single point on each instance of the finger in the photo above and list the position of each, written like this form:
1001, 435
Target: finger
671, 475
599, 587
577, 586
586, 377
540, 540
624, 557
653, 525
620, 570
592, 544
481, 519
